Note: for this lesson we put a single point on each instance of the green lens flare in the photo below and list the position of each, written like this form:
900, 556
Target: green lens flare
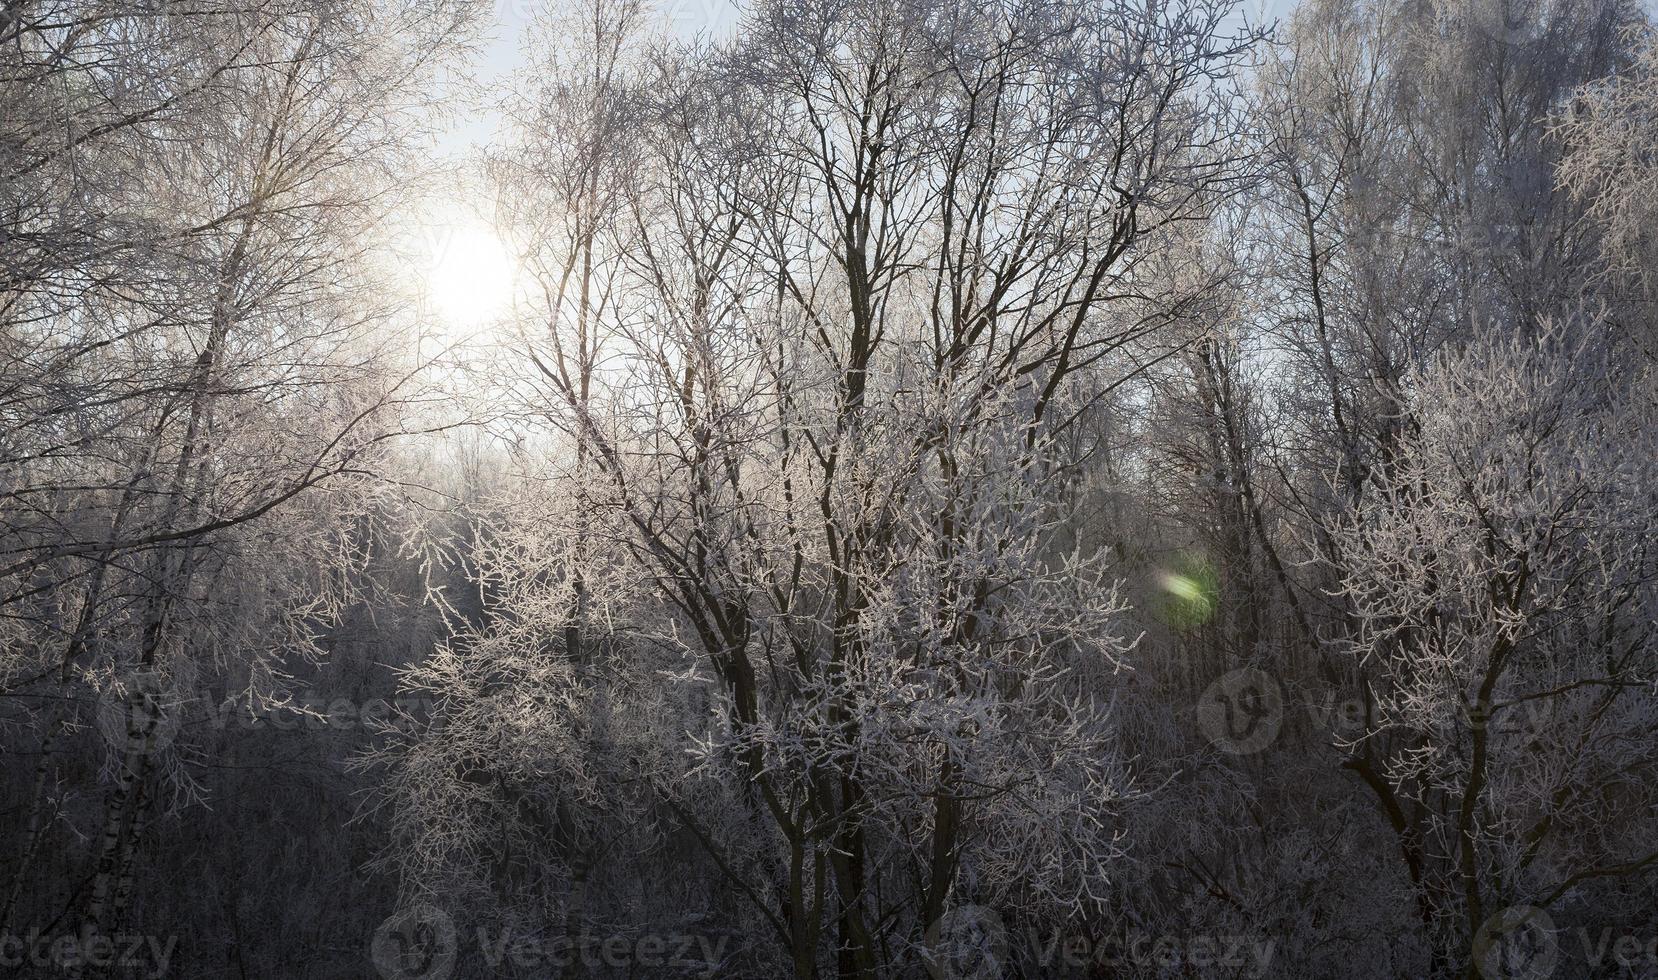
1191, 593
1184, 587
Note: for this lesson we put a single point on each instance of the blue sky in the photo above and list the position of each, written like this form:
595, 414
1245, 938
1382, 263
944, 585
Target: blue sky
499, 55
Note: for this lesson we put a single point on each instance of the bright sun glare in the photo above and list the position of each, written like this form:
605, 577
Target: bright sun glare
470, 278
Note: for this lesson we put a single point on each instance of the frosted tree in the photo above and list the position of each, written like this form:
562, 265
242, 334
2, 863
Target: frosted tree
1608, 167
825, 443
1502, 581
194, 333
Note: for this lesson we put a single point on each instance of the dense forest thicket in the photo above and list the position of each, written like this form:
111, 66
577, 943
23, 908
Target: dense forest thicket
964, 488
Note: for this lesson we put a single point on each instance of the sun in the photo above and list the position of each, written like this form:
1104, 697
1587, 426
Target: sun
469, 280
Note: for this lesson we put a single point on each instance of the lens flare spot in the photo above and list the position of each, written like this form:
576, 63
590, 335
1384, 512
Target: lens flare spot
1191, 592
